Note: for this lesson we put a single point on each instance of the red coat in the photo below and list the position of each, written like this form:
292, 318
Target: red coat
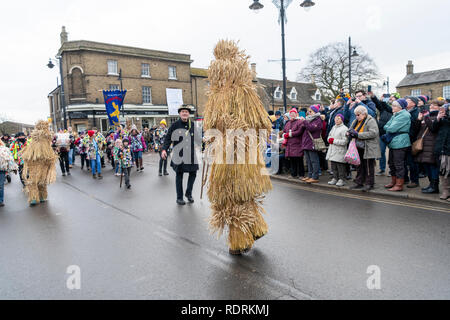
294, 143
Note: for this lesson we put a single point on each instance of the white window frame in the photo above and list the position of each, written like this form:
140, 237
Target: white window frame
446, 92
293, 95
113, 68
146, 95
113, 87
145, 70
171, 76
416, 92
278, 94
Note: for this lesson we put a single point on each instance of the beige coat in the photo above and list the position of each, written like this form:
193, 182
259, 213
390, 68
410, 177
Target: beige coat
371, 137
337, 150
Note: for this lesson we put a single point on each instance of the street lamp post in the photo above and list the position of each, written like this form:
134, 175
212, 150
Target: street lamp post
350, 55
306, 4
51, 65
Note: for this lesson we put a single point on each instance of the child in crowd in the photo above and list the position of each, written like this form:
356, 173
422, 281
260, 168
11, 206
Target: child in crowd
337, 150
116, 151
126, 160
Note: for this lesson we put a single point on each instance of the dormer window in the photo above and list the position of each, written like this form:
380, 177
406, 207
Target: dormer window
317, 95
293, 94
278, 94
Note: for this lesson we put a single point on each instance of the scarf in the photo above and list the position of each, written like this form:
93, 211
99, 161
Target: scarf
313, 117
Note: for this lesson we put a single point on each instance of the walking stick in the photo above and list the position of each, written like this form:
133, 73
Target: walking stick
203, 179
121, 170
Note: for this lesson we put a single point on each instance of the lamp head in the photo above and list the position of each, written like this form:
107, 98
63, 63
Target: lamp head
307, 4
256, 6
50, 64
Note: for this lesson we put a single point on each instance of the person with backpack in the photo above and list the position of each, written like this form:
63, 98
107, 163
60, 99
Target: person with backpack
62, 142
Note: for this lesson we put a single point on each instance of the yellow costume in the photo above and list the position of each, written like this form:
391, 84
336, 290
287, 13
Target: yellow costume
39, 163
236, 190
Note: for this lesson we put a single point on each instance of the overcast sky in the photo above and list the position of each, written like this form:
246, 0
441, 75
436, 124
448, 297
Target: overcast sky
392, 32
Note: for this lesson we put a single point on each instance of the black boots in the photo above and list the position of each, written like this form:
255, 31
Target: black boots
433, 188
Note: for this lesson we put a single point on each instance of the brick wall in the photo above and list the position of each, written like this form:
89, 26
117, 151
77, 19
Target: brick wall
434, 90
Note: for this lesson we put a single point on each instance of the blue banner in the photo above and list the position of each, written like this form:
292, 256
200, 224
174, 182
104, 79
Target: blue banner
114, 104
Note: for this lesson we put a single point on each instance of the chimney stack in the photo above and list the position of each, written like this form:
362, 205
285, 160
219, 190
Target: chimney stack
253, 65
313, 78
409, 68
64, 35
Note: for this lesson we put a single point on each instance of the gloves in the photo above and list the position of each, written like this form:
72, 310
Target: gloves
331, 140
286, 136
353, 133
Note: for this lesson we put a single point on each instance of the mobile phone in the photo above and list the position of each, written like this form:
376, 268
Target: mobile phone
369, 88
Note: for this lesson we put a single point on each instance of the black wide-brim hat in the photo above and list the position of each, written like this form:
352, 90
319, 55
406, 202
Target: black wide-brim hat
185, 107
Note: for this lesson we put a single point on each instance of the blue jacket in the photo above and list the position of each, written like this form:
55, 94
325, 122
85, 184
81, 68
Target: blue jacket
400, 124
350, 116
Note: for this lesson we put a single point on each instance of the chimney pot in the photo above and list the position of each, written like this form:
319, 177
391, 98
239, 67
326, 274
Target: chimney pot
253, 66
409, 67
64, 35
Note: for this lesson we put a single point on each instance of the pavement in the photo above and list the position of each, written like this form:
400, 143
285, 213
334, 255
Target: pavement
138, 244
380, 191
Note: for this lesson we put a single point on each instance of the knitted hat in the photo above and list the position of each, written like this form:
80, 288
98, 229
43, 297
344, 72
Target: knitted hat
424, 99
315, 108
163, 122
91, 133
340, 115
125, 139
441, 99
402, 103
278, 113
413, 99
273, 118
293, 110
396, 95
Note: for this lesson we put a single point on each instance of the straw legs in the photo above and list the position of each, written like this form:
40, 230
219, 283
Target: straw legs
240, 241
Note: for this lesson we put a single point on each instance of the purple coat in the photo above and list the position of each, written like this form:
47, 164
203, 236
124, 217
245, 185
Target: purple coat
294, 144
315, 128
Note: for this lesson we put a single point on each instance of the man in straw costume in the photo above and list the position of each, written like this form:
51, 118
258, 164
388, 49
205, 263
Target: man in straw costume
236, 190
39, 163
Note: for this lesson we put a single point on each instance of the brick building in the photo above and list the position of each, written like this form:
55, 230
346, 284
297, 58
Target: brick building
270, 91
89, 67
431, 83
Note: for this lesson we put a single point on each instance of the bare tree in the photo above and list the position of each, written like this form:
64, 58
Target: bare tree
328, 67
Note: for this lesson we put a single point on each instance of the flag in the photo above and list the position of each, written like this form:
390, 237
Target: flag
114, 104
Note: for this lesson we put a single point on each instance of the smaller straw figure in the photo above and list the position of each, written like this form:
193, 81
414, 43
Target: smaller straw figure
39, 163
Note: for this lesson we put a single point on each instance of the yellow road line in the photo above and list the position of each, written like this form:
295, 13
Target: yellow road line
368, 198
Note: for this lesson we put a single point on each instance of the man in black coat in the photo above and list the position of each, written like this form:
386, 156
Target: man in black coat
182, 135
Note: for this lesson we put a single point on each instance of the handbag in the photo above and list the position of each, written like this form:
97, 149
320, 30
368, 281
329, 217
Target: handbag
319, 144
417, 146
360, 144
352, 155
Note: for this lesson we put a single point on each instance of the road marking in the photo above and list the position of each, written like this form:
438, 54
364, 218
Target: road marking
368, 198
224, 262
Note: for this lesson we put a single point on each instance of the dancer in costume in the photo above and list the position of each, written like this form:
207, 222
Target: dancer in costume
235, 190
39, 159
17, 145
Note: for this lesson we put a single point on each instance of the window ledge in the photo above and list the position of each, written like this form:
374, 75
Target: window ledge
173, 79
113, 74
146, 77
